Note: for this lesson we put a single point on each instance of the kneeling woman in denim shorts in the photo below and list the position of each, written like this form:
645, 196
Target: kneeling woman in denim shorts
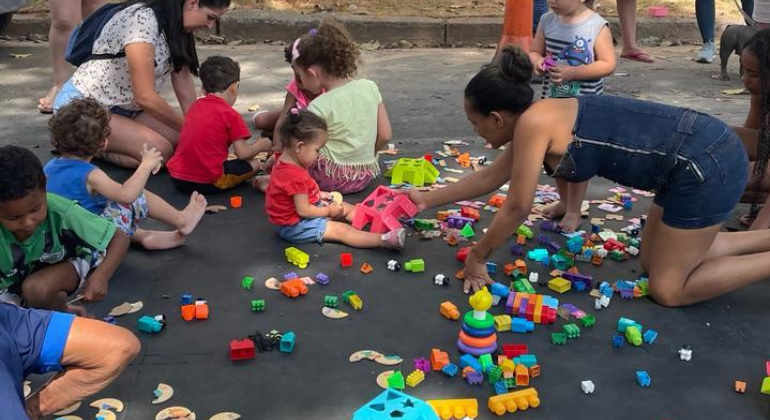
696, 165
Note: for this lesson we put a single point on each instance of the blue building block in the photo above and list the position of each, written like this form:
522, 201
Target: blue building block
469, 360
187, 299
643, 378
575, 244
322, 279
559, 262
500, 388
537, 254
287, 342
617, 341
521, 325
596, 228
528, 360
290, 275
578, 286
650, 336
545, 261
624, 323
391, 404
491, 267
149, 325
499, 289
450, 370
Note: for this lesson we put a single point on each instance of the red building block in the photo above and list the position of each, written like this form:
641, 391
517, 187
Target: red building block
346, 259
514, 350
462, 253
242, 349
381, 210
470, 212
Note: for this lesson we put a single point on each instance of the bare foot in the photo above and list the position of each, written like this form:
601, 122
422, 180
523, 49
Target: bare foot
192, 213
554, 211
45, 104
154, 239
261, 182
570, 222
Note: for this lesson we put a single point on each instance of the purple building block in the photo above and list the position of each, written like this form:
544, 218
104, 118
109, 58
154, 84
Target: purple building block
517, 249
553, 246
474, 378
543, 239
458, 222
550, 226
422, 364
627, 293
322, 279
575, 279
290, 275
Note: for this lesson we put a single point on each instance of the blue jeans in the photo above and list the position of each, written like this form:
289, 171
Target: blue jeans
694, 162
306, 231
705, 13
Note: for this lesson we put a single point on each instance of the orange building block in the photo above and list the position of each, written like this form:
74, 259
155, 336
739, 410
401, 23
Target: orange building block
497, 200
521, 266
508, 269
201, 310
464, 160
521, 239
188, 312
449, 311
460, 274
366, 268
466, 370
522, 375
470, 212
293, 288
512, 401
458, 409
438, 359
534, 371
740, 387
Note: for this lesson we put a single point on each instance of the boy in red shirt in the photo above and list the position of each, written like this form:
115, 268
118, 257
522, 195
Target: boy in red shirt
211, 126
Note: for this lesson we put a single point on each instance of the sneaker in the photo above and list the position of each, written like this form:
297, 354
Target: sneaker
395, 239
707, 53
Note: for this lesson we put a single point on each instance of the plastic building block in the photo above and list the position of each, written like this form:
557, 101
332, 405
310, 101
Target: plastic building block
494, 373
414, 378
765, 388
422, 364
356, 302
394, 265
514, 350
537, 254
366, 268
458, 409
559, 285
499, 289
346, 259
458, 222
587, 321
450, 370
467, 231
462, 253
396, 381
440, 280
572, 330
534, 277
415, 266
500, 388
474, 378
287, 342
258, 305
526, 231
322, 279
187, 299
468, 360
740, 387
438, 359
247, 283
685, 353
558, 339
506, 365
520, 325
522, 375
491, 268
643, 378
188, 312
242, 349
527, 360
330, 301
297, 257
293, 288
417, 172
346, 295
502, 323
617, 341
149, 325
290, 275
540, 309
512, 401
634, 336
517, 249
624, 323
470, 213
587, 387
449, 311
650, 336
486, 362
523, 286
381, 210
399, 404
201, 309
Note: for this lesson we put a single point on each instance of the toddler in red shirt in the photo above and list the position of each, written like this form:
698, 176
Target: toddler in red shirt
294, 202
211, 126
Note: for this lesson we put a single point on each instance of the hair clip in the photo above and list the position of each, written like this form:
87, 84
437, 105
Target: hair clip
295, 49
294, 111
313, 32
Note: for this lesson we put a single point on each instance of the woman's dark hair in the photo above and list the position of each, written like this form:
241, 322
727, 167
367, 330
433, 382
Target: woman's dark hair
503, 86
80, 128
331, 47
759, 44
301, 125
20, 173
180, 43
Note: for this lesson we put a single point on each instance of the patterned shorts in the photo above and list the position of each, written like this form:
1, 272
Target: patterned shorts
127, 216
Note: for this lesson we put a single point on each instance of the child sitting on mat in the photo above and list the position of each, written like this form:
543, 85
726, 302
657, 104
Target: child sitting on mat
79, 132
295, 204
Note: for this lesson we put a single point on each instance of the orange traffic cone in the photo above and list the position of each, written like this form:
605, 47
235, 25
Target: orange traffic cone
517, 25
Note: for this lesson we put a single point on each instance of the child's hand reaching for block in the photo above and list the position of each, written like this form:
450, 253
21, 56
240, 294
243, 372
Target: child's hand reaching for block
151, 158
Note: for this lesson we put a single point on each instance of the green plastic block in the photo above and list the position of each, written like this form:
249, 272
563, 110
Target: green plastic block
494, 373
396, 380
330, 301
633, 335
509, 382
572, 330
617, 255
644, 286
415, 266
588, 321
247, 283
346, 296
422, 224
558, 339
258, 305
467, 231
523, 286
525, 230
486, 361
765, 389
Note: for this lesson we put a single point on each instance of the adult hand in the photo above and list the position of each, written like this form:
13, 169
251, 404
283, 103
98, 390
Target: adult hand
562, 74
417, 197
476, 275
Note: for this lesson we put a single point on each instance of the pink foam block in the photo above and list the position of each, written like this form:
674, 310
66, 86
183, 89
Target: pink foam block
382, 209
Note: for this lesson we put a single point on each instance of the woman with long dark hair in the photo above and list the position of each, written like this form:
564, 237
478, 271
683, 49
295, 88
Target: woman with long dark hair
695, 163
148, 42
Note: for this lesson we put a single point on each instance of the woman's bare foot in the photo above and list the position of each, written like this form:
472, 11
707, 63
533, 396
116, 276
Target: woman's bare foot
154, 239
193, 213
45, 104
569, 222
554, 211
261, 182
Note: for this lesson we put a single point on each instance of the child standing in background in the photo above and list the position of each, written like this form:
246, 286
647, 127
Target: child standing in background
79, 131
295, 204
579, 41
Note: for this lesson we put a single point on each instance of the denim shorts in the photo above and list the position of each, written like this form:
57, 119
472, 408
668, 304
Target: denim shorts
69, 92
696, 165
306, 231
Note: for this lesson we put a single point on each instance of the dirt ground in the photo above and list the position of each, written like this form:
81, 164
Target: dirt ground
726, 9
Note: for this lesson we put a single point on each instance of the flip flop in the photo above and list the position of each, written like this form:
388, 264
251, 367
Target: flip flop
44, 109
639, 56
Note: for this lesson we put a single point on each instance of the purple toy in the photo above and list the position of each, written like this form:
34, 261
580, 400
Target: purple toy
550, 226
322, 279
517, 249
422, 364
549, 63
474, 378
474, 350
458, 222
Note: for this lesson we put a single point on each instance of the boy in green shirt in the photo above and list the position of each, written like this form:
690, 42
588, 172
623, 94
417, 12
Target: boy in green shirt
50, 247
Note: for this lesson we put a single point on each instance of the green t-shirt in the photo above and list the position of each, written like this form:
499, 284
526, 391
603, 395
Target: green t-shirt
68, 232
350, 112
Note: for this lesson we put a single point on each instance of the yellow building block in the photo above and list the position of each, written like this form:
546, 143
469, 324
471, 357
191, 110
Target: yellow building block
503, 322
297, 257
512, 401
559, 285
459, 409
356, 302
414, 378
508, 366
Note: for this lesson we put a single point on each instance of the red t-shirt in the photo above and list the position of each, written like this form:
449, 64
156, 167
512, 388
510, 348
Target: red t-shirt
210, 127
286, 181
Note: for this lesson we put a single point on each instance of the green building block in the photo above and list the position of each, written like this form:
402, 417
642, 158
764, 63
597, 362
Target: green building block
644, 286
572, 330
765, 389
467, 231
330, 301
415, 266
633, 335
424, 224
247, 283
346, 296
525, 230
558, 339
509, 382
494, 373
617, 255
258, 305
486, 361
396, 381
587, 321
417, 172
523, 286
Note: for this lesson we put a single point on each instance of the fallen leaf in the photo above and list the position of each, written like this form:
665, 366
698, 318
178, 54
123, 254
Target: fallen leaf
20, 55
